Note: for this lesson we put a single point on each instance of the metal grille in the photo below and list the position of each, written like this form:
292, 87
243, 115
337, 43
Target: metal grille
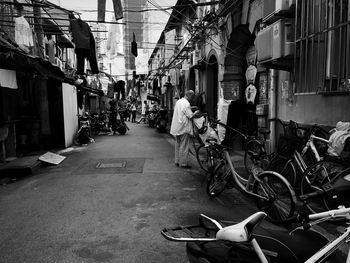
322, 46
111, 165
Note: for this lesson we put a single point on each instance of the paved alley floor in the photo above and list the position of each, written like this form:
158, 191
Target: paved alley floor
107, 202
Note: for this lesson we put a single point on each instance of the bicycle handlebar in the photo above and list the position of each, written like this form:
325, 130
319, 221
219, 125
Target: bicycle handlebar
305, 218
227, 127
342, 212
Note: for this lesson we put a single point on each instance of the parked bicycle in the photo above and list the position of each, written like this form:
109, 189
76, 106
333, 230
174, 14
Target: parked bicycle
271, 191
300, 161
298, 148
224, 241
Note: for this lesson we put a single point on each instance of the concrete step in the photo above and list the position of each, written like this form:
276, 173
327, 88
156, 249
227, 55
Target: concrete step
20, 167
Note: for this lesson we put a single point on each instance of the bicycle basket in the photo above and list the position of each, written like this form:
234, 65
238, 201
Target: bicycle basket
288, 144
200, 126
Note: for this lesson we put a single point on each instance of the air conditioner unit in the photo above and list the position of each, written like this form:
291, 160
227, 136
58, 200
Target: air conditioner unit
276, 41
275, 6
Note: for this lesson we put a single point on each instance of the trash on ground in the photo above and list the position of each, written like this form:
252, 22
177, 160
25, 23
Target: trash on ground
51, 158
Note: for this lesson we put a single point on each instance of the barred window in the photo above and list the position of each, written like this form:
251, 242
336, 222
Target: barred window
322, 59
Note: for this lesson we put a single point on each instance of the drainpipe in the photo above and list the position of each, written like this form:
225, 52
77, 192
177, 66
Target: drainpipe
273, 107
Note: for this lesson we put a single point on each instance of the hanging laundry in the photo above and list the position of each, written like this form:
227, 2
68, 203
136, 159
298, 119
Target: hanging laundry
8, 79
119, 88
101, 10
84, 45
23, 34
134, 45
50, 48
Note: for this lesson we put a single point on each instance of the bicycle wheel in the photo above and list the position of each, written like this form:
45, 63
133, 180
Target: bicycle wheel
314, 178
255, 155
277, 198
284, 167
218, 180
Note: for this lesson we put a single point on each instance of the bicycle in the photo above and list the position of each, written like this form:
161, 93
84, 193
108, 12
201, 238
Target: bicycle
205, 155
297, 151
272, 192
224, 241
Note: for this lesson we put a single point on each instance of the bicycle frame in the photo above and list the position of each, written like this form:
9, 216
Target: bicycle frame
252, 178
331, 247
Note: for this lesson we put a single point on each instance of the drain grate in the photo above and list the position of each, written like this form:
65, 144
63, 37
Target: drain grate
110, 165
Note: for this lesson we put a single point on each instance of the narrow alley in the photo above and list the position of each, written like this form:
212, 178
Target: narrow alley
88, 209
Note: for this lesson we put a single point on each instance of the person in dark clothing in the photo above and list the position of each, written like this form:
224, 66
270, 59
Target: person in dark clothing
112, 115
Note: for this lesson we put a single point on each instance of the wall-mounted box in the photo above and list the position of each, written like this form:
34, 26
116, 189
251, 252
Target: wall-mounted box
276, 41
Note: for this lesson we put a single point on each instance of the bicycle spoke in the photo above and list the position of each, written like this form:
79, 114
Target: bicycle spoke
279, 204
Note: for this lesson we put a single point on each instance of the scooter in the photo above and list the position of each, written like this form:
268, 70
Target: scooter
99, 123
119, 125
84, 130
152, 117
124, 113
162, 120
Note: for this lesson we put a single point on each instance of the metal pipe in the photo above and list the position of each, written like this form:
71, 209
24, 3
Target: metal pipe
273, 107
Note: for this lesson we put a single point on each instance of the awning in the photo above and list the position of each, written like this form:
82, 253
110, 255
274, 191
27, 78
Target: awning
63, 41
50, 27
20, 62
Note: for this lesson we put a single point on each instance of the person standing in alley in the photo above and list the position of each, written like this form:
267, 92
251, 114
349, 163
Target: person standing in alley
181, 128
145, 112
133, 112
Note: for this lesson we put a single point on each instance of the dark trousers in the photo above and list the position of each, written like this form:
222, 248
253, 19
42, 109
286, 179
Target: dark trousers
133, 116
81, 55
101, 10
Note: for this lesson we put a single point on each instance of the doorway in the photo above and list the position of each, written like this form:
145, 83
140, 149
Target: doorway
212, 86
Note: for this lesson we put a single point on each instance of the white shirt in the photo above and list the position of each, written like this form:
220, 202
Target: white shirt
23, 33
181, 123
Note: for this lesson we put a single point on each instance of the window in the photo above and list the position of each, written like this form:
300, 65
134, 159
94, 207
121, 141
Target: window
322, 46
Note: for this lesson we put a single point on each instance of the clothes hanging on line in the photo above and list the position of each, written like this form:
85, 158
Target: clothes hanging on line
23, 33
119, 88
8, 79
84, 45
101, 10
134, 45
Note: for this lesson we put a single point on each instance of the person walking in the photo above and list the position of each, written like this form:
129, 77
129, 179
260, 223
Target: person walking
133, 112
181, 128
145, 112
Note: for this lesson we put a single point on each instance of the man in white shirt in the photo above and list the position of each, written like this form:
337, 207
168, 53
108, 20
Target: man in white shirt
181, 128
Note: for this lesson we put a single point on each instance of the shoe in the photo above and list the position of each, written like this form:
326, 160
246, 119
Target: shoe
186, 166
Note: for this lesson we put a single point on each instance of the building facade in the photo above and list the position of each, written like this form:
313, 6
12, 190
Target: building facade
250, 61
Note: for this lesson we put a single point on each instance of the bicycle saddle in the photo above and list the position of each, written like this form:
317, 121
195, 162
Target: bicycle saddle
242, 231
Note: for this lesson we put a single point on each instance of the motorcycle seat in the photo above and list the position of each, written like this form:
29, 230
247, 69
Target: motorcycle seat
242, 231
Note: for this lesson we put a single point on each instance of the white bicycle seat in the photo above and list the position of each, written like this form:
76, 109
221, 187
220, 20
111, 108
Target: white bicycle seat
242, 231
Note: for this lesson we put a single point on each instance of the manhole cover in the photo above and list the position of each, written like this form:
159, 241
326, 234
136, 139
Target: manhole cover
111, 165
